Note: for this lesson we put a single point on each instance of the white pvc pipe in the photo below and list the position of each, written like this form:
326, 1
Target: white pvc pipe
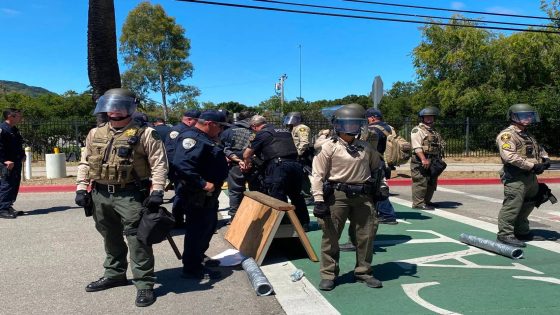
56, 165
28, 158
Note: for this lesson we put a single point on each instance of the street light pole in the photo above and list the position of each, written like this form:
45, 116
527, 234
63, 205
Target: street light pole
283, 78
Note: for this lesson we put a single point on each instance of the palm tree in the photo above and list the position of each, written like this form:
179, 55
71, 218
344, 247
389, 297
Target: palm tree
103, 67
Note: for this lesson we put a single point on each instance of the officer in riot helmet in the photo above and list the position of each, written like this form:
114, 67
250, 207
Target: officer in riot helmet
119, 159
427, 146
301, 135
523, 160
345, 183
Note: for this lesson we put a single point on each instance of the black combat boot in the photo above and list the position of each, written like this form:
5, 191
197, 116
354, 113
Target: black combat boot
105, 283
511, 240
145, 297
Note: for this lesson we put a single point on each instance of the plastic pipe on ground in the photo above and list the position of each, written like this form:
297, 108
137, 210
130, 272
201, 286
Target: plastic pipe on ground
493, 246
258, 280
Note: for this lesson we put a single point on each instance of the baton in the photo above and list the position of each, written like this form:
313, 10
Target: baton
174, 246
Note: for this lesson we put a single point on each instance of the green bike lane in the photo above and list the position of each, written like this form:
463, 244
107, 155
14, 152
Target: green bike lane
426, 270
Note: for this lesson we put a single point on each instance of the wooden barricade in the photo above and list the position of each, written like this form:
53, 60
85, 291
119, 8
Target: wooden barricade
256, 224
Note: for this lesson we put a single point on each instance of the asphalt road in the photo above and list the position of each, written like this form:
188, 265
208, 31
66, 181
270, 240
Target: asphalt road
483, 202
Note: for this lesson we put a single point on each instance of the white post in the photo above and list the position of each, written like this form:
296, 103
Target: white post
28, 158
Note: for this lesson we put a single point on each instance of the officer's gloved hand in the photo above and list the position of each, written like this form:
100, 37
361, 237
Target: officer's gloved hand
321, 210
154, 200
82, 198
546, 162
539, 168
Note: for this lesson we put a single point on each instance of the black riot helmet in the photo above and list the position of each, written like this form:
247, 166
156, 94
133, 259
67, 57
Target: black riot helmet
429, 111
349, 119
523, 114
116, 100
292, 118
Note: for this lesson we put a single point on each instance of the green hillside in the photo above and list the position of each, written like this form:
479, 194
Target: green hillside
11, 87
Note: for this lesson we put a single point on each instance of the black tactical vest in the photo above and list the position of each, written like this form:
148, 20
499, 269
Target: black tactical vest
282, 144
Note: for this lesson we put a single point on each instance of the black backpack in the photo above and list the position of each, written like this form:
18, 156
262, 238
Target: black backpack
154, 227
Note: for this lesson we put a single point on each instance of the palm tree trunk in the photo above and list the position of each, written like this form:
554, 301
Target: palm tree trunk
103, 67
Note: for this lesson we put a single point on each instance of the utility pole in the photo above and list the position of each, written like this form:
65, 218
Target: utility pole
299, 71
280, 85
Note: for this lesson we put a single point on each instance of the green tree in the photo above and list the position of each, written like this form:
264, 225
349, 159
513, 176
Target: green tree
156, 51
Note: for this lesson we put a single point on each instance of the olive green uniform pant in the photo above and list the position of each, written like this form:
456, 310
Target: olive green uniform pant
115, 215
518, 205
361, 212
423, 186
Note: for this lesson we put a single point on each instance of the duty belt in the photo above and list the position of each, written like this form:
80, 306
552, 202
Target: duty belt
113, 188
347, 188
279, 160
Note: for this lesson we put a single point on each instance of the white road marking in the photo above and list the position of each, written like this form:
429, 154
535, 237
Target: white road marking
543, 279
490, 227
458, 192
412, 289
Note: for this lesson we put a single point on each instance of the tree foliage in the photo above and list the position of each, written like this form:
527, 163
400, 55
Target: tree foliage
156, 51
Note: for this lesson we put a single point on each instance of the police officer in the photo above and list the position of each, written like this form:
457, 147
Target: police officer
189, 119
301, 135
523, 160
283, 175
120, 156
385, 211
427, 146
161, 127
11, 160
345, 184
201, 167
235, 141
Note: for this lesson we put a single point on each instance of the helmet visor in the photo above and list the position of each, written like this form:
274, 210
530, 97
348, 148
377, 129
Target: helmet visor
525, 118
352, 126
292, 120
115, 103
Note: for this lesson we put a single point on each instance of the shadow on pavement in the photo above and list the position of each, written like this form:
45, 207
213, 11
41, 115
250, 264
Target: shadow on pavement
448, 204
404, 215
49, 210
382, 241
172, 282
383, 272
546, 234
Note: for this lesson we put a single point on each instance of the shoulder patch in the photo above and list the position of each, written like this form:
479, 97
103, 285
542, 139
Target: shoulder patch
252, 136
506, 146
302, 129
188, 143
155, 135
130, 132
505, 137
173, 134
415, 130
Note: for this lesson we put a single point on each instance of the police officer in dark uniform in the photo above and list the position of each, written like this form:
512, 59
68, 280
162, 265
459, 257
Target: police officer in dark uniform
201, 167
161, 128
235, 140
11, 158
188, 121
284, 175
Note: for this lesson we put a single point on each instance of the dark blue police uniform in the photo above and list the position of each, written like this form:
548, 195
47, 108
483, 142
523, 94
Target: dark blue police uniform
11, 149
283, 175
198, 159
170, 144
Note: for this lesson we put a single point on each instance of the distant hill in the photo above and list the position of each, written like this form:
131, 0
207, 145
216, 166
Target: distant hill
11, 86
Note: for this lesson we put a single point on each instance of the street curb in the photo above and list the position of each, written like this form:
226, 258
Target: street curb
391, 182
465, 181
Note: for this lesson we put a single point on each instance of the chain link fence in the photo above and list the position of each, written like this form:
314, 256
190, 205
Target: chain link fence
463, 138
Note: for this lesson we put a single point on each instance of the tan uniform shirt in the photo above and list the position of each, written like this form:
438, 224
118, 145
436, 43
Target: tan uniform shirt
154, 149
335, 164
300, 134
513, 148
417, 136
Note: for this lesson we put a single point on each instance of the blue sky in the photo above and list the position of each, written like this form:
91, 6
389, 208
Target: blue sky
238, 54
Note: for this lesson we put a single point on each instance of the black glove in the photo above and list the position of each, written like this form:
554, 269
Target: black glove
154, 200
82, 198
546, 162
321, 210
539, 168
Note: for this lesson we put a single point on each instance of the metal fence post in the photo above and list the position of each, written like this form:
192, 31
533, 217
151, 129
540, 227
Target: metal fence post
467, 137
